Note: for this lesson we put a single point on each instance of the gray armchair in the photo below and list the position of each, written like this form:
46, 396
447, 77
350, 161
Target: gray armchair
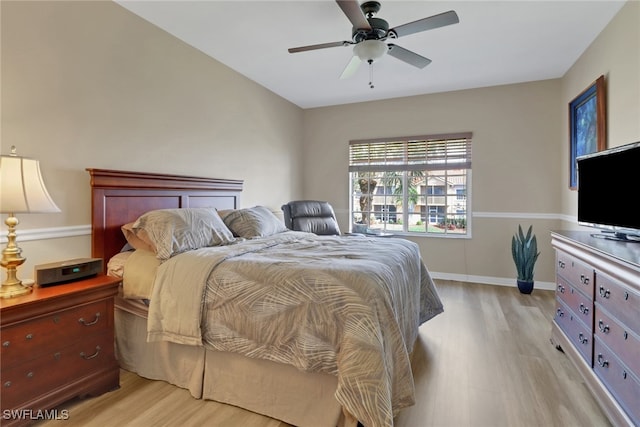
312, 216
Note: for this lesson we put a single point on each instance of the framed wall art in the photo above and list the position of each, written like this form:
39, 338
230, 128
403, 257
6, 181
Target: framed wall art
587, 125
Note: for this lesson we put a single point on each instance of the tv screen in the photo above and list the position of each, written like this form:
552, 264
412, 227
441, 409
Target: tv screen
608, 191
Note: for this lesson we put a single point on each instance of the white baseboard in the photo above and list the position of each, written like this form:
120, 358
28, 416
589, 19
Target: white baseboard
499, 281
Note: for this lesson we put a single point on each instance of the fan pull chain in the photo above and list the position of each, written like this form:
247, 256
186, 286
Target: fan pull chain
370, 74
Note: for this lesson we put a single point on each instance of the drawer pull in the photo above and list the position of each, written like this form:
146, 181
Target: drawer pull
625, 335
7, 384
583, 309
624, 375
6, 344
57, 356
559, 313
85, 357
583, 339
81, 320
602, 362
603, 328
584, 279
28, 337
626, 295
561, 289
561, 264
605, 293
29, 374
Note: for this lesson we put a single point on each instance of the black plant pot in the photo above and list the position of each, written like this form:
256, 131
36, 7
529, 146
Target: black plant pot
525, 287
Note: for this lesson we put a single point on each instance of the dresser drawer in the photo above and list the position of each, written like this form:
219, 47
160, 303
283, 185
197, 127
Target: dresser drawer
577, 332
624, 343
30, 339
575, 272
57, 368
619, 300
618, 379
576, 301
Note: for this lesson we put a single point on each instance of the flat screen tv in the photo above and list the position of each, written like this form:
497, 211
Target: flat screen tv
609, 192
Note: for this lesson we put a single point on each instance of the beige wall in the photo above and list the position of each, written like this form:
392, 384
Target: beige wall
515, 170
616, 55
520, 151
89, 84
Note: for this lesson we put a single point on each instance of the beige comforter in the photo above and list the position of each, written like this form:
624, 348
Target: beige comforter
345, 305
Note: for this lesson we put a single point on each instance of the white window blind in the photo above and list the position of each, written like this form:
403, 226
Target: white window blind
417, 153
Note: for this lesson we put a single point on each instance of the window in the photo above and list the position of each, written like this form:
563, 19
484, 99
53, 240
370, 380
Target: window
414, 185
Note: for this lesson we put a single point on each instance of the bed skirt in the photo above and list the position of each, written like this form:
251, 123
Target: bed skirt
273, 389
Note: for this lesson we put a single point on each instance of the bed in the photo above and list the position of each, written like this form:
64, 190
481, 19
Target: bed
327, 325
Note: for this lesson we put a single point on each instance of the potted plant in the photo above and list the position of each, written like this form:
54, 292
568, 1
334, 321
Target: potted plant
524, 249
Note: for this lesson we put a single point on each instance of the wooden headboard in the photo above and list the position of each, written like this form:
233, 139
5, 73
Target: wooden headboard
120, 197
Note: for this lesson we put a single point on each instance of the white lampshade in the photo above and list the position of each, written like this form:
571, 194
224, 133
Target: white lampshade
22, 189
370, 50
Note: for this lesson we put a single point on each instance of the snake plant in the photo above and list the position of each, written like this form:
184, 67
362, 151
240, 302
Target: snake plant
524, 249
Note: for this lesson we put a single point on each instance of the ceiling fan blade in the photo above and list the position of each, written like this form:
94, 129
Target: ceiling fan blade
407, 56
424, 24
318, 46
351, 68
351, 8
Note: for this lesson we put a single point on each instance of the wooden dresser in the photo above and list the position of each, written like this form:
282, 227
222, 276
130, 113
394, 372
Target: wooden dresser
57, 344
597, 319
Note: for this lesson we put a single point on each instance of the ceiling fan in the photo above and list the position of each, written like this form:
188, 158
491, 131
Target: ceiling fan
369, 34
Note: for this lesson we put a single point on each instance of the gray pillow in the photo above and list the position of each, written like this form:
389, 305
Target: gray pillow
172, 231
257, 221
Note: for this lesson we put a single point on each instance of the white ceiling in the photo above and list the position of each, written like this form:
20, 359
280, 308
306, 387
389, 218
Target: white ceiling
495, 43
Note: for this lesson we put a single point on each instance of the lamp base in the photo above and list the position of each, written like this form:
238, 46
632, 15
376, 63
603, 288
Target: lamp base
11, 259
14, 290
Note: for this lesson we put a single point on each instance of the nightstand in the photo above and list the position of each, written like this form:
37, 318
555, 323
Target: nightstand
57, 344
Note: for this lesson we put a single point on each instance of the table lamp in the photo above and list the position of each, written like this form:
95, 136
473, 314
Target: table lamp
22, 190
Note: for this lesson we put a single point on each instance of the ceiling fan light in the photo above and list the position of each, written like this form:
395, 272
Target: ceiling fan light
370, 50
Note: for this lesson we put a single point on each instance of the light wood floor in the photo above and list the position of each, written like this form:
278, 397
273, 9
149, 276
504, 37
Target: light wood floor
486, 361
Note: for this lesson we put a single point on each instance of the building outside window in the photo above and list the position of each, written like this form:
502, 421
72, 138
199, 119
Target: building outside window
417, 185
